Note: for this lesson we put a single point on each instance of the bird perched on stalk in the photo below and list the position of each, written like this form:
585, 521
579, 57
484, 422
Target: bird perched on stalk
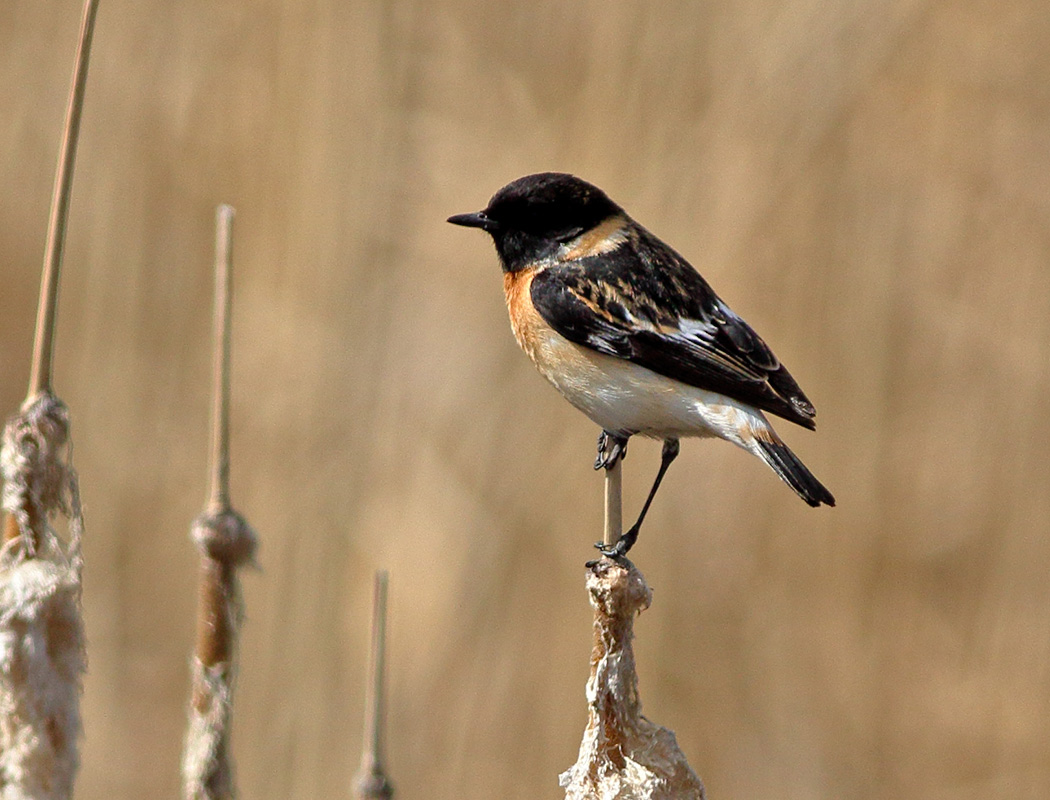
632, 335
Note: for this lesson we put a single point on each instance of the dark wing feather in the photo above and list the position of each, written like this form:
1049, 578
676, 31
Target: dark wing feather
644, 303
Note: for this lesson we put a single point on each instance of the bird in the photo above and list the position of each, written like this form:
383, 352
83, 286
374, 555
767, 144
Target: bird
632, 335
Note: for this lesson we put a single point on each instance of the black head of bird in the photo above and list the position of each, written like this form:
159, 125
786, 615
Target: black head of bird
532, 217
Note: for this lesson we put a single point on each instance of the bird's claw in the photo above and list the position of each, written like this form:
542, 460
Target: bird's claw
603, 443
613, 551
611, 448
618, 550
607, 552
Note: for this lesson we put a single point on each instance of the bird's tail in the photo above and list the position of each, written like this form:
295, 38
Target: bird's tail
792, 471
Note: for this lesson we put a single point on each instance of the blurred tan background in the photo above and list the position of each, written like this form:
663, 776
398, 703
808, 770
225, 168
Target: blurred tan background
867, 183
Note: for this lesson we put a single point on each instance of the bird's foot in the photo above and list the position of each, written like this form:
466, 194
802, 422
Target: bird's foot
611, 448
618, 550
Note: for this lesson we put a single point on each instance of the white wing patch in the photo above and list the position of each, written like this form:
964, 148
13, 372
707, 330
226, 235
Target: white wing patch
696, 329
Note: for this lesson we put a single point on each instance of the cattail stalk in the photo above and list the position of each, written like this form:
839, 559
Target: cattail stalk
41, 625
225, 542
25, 526
623, 755
371, 781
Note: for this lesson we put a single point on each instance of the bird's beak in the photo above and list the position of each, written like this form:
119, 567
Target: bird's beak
476, 220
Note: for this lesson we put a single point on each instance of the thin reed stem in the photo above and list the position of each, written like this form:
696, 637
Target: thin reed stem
371, 780
43, 342
219, 494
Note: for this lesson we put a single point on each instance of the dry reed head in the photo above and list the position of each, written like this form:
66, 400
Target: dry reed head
225, 541
38, 481
207, 768
41, 630
623, 755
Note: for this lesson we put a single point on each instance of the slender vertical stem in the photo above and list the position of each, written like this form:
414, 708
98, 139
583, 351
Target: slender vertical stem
613, 504
219, 495
43, 343
371, 778
225, 541
374, 700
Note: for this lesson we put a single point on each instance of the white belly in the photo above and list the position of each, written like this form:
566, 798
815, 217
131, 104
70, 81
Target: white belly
625, 398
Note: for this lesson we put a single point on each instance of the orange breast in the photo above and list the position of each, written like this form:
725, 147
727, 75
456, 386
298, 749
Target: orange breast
574, 370
525, 321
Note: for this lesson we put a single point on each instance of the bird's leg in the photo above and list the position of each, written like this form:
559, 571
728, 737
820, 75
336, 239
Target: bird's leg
611, 448
626, 542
